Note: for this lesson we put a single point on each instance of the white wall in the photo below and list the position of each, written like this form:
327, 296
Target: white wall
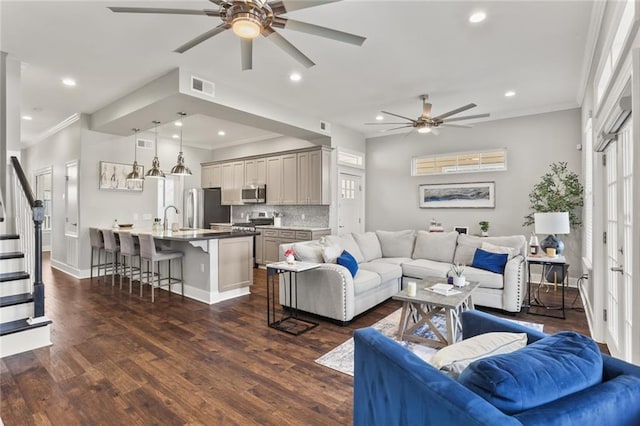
532, 143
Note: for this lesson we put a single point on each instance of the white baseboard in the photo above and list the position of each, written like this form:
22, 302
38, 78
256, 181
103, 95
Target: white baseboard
70, 270
535, 279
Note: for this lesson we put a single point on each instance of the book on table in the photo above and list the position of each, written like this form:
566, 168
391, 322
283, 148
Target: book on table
443, 289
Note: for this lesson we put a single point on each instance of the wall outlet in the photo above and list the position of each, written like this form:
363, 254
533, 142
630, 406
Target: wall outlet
202, 267
302, 216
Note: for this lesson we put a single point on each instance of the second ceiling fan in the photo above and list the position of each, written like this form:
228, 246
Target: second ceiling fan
428, 124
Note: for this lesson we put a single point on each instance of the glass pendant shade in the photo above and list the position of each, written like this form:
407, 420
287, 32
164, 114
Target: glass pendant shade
180, 168
135, 174
154, 171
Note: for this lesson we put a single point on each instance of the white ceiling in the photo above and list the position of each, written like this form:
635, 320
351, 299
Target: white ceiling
536, 48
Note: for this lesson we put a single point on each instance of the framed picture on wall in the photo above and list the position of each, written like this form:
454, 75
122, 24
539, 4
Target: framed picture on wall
113, 176
458, 195
461, 229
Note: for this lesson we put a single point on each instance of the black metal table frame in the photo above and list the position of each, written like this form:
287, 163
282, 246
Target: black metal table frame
272, 281
538, 303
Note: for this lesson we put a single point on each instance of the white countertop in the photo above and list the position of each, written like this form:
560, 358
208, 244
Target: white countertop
293, 228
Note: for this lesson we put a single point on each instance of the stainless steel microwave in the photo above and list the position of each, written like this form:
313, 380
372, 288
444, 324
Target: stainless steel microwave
254, 194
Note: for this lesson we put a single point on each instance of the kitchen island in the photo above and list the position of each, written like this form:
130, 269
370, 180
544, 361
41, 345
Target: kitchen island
218, 265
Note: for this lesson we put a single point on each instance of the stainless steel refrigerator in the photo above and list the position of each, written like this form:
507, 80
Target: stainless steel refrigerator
203, 206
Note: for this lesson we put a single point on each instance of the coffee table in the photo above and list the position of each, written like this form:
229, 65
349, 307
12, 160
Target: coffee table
422, 307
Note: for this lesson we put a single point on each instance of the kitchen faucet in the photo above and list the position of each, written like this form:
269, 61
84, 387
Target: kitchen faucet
166, 224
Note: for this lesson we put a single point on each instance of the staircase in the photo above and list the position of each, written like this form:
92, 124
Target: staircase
23, 325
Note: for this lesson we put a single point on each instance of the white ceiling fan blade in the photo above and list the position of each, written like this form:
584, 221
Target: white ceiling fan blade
202, 37
465, 126
304, 27
454, 112
399, 116
284, 44
397, 128
205, 12
466, 117
383, 124
284, 6
246, 51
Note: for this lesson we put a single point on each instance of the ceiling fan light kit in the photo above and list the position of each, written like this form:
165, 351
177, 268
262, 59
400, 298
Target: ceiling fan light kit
251, 18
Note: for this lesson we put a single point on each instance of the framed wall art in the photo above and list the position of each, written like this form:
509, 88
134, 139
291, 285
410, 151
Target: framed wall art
461, 229
113, 176
458, 195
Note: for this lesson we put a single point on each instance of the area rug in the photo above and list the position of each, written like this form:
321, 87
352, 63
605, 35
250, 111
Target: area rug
341, 357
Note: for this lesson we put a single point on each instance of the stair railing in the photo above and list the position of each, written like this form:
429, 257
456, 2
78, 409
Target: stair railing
29, 216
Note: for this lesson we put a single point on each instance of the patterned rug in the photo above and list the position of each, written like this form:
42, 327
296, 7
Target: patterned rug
341, 357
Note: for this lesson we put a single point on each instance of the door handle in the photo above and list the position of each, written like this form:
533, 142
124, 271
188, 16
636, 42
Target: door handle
617, 269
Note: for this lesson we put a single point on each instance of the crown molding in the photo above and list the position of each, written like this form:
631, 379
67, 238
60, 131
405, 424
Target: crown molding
52, 130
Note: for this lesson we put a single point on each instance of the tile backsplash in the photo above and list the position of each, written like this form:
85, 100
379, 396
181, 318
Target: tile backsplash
314, 216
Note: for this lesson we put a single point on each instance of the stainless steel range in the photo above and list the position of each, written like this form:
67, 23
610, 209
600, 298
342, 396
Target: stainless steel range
251, 226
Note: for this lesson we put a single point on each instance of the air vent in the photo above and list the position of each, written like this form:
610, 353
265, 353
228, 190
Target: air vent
202, 86
325, 127
145, 144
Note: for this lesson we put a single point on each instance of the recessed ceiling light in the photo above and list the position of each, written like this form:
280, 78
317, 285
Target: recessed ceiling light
509, 93
294, 76
379, 117
175, 136
221, 133
178, 123
27, 117
68, 82
477, 17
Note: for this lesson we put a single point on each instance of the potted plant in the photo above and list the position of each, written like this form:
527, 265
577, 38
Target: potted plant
456, 272
290, 256
484, 227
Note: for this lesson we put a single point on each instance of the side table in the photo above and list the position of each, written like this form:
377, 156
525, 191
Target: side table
534, 299
289, 323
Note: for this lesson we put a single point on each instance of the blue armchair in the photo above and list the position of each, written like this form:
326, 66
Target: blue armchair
392, 386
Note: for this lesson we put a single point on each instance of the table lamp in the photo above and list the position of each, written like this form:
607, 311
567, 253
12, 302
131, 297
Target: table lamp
553, 223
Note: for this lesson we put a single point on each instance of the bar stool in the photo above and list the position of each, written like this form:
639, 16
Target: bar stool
112, 248
149, 253
97, 246
130, 251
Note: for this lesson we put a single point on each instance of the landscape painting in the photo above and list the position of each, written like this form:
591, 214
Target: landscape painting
458, 195
114, 176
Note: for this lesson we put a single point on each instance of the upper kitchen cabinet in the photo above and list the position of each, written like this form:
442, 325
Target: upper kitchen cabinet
212, 176
255, 171
314, 177
282, 185
232, 182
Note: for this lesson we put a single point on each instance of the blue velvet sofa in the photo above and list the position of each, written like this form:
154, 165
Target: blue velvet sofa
392, 386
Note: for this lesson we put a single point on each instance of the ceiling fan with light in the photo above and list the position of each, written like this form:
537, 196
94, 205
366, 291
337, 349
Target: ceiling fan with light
428, 124
251, 18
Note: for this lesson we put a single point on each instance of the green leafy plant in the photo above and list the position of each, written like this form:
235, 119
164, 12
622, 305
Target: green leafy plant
484, 225
559, 190
456, 269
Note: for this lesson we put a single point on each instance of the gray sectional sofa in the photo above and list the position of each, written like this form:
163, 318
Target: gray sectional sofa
386, 258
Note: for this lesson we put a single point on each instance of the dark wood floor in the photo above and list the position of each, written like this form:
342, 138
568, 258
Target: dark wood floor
118, 359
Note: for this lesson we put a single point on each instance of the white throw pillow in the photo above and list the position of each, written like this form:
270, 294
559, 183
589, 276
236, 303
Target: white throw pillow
309, 252
369, 245
330, 252
346, 242
453, 359
492, 248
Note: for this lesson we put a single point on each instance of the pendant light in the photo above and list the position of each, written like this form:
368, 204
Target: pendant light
154, 171
135, 175
180, 169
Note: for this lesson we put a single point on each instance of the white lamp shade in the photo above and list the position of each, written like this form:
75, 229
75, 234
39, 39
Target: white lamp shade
551, 223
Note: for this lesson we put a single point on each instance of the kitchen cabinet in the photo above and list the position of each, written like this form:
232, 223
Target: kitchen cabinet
232, 182
255, 171
274, 179
273, 237
282, 185
212, 176
314, 177
258, 243
235, 265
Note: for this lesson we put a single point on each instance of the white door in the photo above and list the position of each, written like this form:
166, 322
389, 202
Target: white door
619, 248
350, 206
71, 197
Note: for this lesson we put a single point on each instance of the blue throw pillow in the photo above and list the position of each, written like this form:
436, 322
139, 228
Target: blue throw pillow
488, 261
544, 371
349, 262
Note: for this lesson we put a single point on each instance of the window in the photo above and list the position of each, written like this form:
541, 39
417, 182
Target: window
465, 162
350, 158
588, 191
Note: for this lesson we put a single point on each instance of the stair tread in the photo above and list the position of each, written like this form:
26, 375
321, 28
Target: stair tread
15, 299
13, 276
19, 325
9, 237
11, 255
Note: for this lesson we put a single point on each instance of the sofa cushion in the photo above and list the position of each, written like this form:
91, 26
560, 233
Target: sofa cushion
546, 370
348, 261
330, 252
492, 248
439, 246
308, 252
421, 268
347, 243
393, 260
365, 281
487, 279
369, 245
387, 271
398, 243
467, 245
453, 359
493, 262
